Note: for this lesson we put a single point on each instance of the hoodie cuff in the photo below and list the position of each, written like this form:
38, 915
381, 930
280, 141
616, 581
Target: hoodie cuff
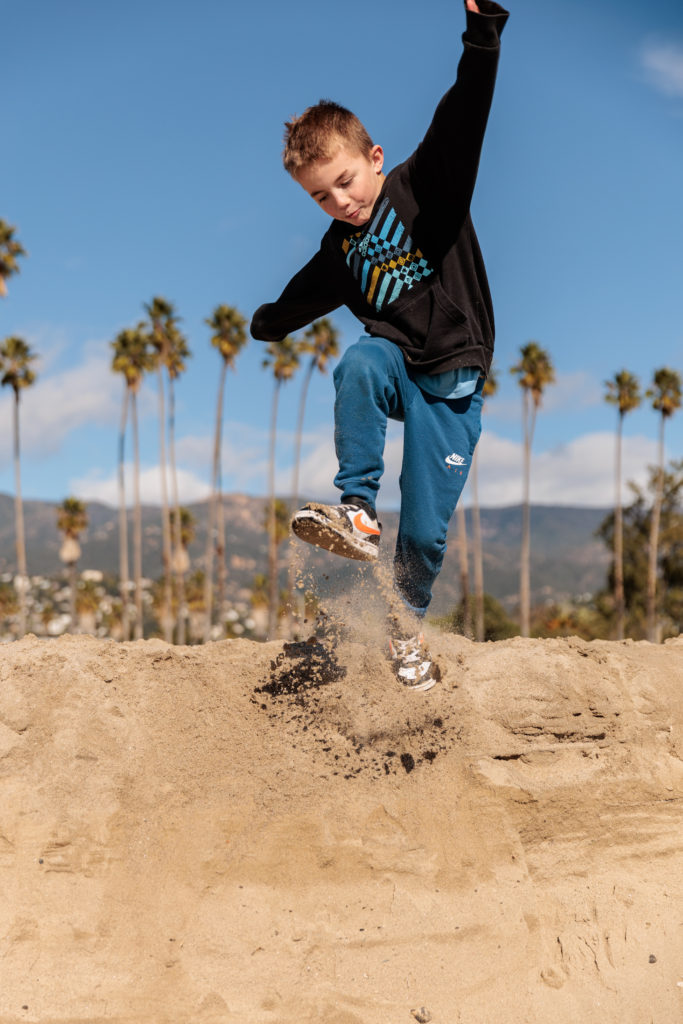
484, 29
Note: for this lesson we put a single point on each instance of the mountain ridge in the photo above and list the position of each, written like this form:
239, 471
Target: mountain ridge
567, 560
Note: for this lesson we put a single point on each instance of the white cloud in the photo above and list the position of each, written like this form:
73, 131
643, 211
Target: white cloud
319, 467
569, 392
48, 342
580, 472
244, 468
106, 489
578, 390
663, 66
244, 455
88, 394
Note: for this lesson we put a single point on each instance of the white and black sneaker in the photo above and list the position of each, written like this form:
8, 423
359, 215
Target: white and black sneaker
350, 530
412, 663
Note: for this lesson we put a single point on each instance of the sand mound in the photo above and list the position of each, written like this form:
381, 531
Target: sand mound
235, 834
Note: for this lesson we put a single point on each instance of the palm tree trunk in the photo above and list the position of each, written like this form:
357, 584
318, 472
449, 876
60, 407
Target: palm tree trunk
222, 575
215, 498
19, 522
477, 553
177, 544
208, 565
295, 596
272, 525
524, 582
652, 630
619, 605
464, 572
299, 432
166, 613
137, 521
73, 627
123, 523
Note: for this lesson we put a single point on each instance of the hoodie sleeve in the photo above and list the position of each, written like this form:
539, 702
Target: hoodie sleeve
309, 295
444, 166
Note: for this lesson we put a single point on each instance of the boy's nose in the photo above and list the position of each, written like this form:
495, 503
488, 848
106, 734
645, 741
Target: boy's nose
343, 202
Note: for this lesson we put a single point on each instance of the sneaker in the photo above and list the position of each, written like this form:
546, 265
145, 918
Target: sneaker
350, 530
412, 663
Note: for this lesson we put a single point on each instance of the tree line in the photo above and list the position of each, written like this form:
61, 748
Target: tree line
157, 346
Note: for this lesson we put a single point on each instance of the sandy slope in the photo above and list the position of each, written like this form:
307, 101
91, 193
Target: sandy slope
178, 847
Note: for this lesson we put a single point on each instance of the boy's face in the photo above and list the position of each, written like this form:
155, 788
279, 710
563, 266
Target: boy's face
347, 185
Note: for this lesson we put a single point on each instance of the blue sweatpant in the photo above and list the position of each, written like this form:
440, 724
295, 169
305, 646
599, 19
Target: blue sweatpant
372, 385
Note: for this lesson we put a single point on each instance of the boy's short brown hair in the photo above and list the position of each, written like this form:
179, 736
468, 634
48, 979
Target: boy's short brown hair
316, 134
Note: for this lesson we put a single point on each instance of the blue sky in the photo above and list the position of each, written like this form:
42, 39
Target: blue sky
141, 157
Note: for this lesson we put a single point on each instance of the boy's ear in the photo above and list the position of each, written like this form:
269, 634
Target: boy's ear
377, 159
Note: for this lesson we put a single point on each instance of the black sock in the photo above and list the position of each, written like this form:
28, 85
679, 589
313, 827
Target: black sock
353, 500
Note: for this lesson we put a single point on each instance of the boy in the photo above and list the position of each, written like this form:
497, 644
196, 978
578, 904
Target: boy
402, 254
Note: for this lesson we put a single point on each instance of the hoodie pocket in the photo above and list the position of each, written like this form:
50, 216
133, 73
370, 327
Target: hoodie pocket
452, 313
429, 321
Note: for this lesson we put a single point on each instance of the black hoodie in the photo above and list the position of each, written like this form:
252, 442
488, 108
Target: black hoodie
414, 273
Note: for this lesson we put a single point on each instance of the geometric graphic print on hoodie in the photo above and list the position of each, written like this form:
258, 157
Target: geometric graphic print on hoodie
382, 260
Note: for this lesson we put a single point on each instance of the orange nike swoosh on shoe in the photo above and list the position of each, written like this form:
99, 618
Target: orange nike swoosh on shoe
363, 527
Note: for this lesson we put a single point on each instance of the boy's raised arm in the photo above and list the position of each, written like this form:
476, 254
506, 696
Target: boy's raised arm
445, 164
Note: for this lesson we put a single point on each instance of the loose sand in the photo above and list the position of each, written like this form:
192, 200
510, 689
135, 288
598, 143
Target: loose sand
191, 836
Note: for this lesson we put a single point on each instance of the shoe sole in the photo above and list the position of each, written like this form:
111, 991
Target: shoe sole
314, 529
422, 684
426, 685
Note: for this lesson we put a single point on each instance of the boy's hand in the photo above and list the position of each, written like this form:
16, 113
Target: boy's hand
471, 6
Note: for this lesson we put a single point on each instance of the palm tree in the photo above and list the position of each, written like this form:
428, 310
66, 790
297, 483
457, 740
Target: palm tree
229, 337
283, 358
176, 355
162, 320
535, 371
666, 399
624, 392
321, 341
133, 359
10, 251
72, 519
183, 527
15, 365
490, 388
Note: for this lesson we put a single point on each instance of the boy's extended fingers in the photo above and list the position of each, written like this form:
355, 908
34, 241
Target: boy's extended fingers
471, 6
